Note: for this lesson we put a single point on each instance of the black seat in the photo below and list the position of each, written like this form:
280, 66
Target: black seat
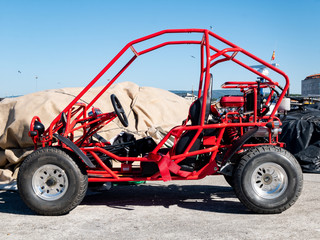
195, 117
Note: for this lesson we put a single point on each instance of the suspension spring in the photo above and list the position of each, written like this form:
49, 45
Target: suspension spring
232, 133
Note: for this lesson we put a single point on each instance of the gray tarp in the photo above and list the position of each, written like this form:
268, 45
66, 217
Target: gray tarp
150, 112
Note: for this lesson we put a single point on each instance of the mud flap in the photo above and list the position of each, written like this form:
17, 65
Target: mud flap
76, 149
235, 148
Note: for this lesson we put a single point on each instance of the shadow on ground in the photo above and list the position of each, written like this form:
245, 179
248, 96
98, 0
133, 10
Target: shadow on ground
196, 197
10, 202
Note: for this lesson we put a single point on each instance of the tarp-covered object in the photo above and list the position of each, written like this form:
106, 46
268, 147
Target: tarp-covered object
150, 111
301, 133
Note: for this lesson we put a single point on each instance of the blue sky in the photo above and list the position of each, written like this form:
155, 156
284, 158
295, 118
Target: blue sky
55, 44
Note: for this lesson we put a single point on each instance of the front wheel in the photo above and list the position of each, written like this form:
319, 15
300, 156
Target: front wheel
50, 182
268, 179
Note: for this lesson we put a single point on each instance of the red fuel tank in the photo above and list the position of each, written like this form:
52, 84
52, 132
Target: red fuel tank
232, 101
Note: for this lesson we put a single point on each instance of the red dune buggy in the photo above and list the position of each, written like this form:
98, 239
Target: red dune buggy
238, 139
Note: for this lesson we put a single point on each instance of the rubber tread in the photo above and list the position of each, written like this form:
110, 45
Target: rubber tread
77, 166
246, 158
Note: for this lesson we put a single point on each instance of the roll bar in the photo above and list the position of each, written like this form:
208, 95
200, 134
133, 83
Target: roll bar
208, 60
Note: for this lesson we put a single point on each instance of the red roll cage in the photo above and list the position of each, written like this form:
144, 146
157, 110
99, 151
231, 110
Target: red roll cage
205, 67
77, 114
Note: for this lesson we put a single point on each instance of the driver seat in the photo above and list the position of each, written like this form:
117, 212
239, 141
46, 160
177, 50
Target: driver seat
188, 164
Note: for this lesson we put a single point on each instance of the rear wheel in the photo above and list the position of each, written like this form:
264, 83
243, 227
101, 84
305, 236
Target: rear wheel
50, 182
268, 179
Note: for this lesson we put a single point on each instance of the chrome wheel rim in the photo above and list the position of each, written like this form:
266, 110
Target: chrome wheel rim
50, 182
269, 180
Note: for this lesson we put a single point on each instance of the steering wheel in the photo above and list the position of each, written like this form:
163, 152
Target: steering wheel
119, 110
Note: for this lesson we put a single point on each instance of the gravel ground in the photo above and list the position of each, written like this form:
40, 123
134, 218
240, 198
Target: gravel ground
204, 209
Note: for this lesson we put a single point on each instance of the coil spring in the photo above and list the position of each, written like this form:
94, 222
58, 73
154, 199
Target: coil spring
232, 133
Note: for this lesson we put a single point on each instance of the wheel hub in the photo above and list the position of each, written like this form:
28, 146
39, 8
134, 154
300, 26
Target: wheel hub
269, 180
50, 182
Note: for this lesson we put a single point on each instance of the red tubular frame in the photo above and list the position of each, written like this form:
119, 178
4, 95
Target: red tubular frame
77, 114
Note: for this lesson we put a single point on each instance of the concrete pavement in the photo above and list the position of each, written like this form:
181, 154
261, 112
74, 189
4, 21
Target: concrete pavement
205, 209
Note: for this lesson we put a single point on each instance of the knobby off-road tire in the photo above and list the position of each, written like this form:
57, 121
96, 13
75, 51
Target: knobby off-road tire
50, 182
268, 179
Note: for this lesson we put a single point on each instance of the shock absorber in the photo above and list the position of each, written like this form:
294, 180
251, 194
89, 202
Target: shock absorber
232, 133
